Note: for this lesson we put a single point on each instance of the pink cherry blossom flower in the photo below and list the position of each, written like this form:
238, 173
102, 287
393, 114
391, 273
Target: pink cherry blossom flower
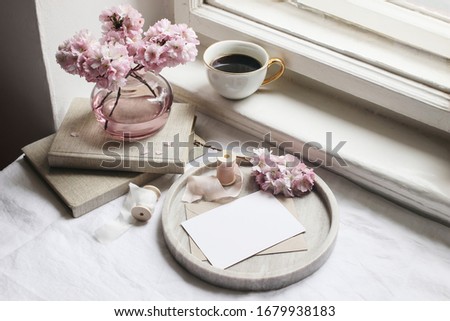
124, 48
71, 53
108, 65
281, 174
121, 24
185, 32
166, 45
162, 26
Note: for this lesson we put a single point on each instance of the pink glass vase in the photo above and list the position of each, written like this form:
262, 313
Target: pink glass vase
139, 109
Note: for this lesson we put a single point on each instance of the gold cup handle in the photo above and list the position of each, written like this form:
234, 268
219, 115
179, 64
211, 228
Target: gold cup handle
278, 74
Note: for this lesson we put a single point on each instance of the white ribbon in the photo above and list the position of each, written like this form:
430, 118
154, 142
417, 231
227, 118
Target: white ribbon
136, 196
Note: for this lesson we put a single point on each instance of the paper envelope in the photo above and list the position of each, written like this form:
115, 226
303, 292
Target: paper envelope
296, 243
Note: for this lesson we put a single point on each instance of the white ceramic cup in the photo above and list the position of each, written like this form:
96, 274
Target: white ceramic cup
239, 85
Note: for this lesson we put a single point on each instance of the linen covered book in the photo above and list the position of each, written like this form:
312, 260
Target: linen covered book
81, 190
81, 143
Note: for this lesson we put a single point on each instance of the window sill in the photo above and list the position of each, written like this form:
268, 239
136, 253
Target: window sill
395, 78
392, 159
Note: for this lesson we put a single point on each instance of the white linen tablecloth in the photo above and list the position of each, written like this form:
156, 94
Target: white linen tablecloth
383, 251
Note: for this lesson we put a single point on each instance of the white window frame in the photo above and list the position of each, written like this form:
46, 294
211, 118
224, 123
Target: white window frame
390, 19
444, 16
427, 103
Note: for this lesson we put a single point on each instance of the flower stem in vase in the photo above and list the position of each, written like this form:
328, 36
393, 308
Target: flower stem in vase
142, 80
114, 107
103, 99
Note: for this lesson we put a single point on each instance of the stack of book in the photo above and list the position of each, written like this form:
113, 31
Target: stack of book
87, 168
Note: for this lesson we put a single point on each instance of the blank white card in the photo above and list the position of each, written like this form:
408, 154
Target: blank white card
235, 231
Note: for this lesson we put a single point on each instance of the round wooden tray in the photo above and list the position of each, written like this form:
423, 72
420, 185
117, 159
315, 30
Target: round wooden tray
317, 211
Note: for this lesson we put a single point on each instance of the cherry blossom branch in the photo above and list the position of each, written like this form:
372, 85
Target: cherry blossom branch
114, 107
116, 102
103, 100
142, 80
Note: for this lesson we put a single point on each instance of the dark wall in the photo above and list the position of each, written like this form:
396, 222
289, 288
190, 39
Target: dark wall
25, 107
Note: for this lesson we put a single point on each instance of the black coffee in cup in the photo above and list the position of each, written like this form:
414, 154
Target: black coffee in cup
236, 63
